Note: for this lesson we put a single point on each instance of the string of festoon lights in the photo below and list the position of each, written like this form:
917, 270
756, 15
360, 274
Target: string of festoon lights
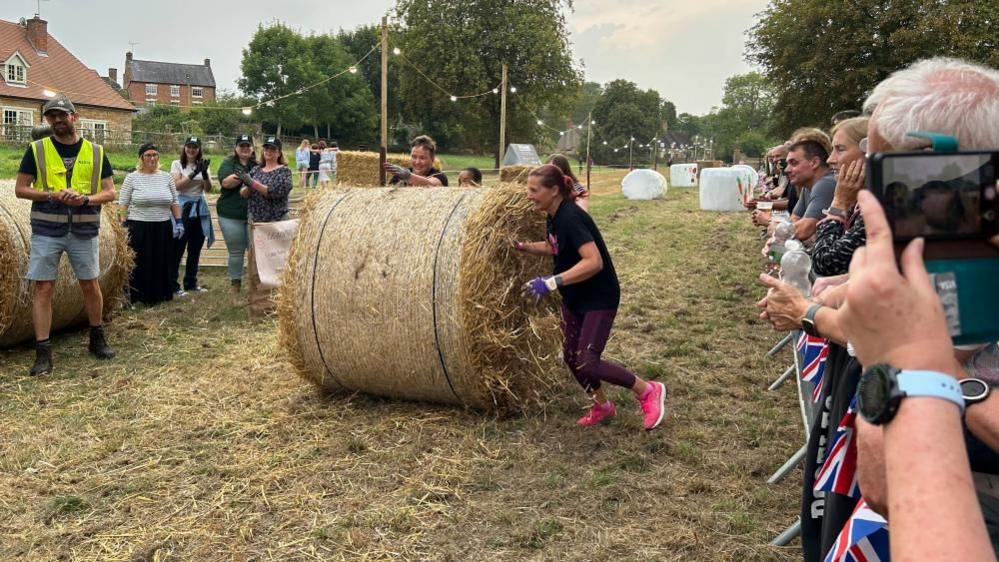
597, 139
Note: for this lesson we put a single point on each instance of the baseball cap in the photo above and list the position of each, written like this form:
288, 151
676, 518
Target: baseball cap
193, 140
241, 139
273, 141
59, 102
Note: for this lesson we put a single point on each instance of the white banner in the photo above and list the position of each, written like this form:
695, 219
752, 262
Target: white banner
271, 244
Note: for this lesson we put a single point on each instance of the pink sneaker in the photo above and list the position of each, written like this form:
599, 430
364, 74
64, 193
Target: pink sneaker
653, 403
598, 413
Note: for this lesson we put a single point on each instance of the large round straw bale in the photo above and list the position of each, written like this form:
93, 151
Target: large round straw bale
516, 173
415, 294
67, 302
360, 169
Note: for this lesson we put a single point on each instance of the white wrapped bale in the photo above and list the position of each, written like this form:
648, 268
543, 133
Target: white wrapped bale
683, 175
644, 184
720, 190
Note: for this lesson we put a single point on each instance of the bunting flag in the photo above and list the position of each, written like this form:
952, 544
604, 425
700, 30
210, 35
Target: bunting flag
864, 538
813, 351
839, 471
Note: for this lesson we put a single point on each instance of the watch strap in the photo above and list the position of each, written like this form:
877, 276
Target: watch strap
836, 212
808, 322
931, 384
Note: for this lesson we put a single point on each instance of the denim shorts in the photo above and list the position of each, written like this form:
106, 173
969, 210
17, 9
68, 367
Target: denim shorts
46, 251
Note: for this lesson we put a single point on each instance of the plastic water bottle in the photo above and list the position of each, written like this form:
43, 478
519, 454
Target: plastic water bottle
783, 233
794, 267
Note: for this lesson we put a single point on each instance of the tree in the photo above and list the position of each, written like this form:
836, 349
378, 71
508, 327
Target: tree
745, 119
462, 46
344, 104
358, 43
278, 62
822, 57
622, 112
589, 93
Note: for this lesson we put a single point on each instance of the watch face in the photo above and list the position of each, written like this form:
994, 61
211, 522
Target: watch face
974, 390
873, 392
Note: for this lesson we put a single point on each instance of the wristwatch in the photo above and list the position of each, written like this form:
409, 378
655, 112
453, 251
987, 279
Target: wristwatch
974, 390
841, 213
808, 322
882, 388
86, 199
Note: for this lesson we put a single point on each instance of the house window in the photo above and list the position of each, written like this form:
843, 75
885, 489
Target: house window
197, 92
175, 101
174, 91
93, 129
150, 103
16, 73
151, 90
16, 124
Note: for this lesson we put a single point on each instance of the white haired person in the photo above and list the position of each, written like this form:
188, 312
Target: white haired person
584, 275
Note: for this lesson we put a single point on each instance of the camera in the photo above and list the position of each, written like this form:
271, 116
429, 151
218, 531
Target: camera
950, 199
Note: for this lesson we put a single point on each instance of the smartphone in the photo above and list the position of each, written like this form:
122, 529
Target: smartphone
950, 199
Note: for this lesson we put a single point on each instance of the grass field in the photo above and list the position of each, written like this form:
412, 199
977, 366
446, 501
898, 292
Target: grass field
198, 442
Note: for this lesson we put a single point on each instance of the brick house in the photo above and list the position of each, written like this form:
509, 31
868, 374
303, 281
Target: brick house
151, 83
35, 67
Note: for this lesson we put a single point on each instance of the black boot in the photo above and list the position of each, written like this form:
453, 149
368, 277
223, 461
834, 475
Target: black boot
99, 347
43, 358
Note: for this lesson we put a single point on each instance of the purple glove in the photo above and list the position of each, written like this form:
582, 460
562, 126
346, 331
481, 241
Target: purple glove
540, 286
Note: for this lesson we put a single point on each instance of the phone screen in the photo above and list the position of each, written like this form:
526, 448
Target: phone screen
936, 195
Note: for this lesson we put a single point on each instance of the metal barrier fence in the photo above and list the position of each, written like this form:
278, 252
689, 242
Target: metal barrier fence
805, 389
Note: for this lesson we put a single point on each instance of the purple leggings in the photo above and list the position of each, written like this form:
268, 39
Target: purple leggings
585, 337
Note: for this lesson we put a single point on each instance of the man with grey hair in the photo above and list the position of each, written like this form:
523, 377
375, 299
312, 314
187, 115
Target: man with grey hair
960, 99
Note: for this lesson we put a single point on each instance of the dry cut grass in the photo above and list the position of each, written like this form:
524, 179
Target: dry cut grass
199, 443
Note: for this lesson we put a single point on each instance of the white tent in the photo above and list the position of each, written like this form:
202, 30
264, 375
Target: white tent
683, 175
720, 189
521, 155
643, 184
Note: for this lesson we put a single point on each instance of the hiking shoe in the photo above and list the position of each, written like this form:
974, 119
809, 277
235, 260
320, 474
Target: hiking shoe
43, 359
653, 403
180, 293
598, 413
99, 347
236, 285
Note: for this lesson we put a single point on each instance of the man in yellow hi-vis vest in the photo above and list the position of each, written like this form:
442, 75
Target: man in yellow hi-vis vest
67, 179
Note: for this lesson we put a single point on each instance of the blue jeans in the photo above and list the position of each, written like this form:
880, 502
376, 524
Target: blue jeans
236, 235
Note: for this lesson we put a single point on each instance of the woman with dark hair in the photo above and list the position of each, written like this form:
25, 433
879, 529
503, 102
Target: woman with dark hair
470, 177
267, 185
232, 206
421, 172
585, 276
148, 197
191, 175
582, 195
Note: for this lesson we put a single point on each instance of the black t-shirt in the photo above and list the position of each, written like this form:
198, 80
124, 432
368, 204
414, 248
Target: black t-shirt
68, 153
568, 230
433, 173
314, 158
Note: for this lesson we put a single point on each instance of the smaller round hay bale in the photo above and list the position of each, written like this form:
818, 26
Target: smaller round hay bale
360, 169
720, 190
643, 184
68, 310
415, 294
683, 175
515, 174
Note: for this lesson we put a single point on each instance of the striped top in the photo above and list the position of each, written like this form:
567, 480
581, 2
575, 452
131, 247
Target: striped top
148, 196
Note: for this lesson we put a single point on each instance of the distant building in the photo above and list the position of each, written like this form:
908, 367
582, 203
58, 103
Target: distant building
35, 67
150, 83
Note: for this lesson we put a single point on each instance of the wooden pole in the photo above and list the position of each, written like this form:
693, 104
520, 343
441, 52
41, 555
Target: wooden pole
589, 131
502, 133
383, 150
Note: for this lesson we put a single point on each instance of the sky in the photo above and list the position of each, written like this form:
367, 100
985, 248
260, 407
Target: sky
684, 49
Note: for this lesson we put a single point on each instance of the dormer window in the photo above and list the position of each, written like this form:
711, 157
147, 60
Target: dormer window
16, 70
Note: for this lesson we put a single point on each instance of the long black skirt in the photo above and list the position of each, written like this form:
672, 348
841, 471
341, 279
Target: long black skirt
152, 243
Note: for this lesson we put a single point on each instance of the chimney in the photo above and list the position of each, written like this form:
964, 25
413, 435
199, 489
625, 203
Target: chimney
208, 62
38, 34
113, 74
128, 57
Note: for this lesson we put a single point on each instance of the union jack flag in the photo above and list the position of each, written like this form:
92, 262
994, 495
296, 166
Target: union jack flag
813, 351
864, 538
839, 471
